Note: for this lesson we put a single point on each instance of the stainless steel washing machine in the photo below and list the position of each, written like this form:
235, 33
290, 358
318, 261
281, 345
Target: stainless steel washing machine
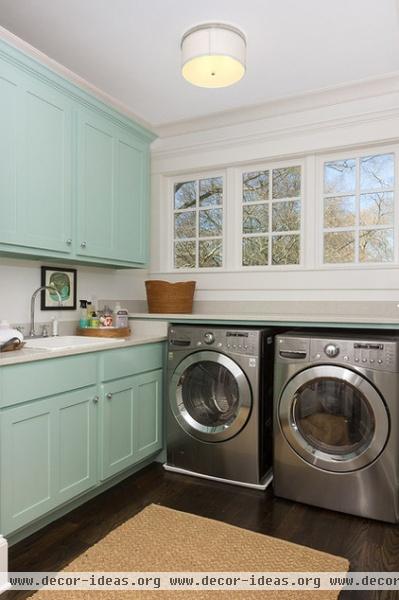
219, 417
336, 422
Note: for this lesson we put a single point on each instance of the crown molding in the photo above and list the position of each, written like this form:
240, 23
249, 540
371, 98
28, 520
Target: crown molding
20, 44
355, 90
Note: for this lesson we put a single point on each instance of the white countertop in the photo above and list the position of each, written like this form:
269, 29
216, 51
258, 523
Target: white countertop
327, 319
142, 333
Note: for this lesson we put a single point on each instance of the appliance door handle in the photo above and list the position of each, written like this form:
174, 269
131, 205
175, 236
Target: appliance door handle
292, 354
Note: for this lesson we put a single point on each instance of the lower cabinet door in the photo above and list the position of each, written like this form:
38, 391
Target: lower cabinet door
27, 463
131, 426
148, 414
48, 455
76, 435
117, 433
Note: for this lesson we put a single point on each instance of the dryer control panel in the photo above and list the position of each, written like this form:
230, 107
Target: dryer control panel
381, 354
370, 354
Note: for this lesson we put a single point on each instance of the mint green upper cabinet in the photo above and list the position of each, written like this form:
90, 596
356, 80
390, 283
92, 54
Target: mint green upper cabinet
131, 214
112, 191
96, 175
73, 172
45, 178
9, 118
35, 157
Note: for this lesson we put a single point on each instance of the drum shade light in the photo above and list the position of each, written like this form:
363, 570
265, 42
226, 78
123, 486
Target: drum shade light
213, 55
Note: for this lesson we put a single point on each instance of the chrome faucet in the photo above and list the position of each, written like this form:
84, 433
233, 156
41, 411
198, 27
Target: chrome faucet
32, 332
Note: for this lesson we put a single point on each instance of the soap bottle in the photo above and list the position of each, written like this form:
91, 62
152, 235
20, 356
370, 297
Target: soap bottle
89, 312
83, 320
95, 320
121, 316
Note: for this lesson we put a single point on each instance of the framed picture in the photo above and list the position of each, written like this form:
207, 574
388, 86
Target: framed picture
63, 280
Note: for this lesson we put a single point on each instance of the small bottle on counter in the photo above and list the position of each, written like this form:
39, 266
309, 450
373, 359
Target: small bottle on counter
94, 320
121, 316
89, 312
83, 320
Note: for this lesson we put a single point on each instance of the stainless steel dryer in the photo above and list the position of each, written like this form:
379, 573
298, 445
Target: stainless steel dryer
336, 422
219, 417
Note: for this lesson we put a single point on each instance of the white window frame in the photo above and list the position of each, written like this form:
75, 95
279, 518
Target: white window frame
185, 177
238, 197
355, 153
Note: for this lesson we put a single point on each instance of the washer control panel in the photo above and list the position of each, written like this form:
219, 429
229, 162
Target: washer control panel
233, 341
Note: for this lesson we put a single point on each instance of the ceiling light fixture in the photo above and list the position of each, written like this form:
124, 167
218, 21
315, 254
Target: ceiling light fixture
213, 55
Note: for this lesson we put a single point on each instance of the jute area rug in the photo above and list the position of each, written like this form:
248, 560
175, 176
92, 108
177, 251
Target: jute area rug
162, 539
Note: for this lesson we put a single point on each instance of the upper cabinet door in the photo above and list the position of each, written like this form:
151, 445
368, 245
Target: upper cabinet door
131, 199
96, 185
35, 163
45, 207
112, 191
10, 98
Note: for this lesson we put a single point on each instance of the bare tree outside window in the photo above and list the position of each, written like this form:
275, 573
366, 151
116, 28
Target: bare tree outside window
271, 217
359, 209
198, 223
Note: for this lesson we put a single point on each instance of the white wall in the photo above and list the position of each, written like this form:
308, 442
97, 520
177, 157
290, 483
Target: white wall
19, 278
360, 115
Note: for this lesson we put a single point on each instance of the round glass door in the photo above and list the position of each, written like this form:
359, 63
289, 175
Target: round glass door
334, 418
210, 396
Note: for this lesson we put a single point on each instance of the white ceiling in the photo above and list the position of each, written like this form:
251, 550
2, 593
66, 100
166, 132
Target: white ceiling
131, 48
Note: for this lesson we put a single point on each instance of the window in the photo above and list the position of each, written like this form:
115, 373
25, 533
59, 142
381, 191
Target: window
358, 209
198, 223
271, 216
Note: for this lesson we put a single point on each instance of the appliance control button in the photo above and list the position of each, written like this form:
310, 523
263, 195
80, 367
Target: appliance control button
331, 350
209, 338
356, 359
380, 361
346, 357
372, 360
220, 344
199, 343
364, 359
318, 355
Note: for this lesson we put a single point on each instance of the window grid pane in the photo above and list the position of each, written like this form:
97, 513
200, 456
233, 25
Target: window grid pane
198, 223
358, 209
271, 216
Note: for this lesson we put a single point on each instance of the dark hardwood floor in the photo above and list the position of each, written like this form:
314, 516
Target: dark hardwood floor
369, 545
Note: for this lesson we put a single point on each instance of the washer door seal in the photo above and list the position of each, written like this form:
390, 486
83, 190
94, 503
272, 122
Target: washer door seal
210, 396
333, 418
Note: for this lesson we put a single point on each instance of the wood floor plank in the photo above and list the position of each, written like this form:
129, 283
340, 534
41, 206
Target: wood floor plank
368, 545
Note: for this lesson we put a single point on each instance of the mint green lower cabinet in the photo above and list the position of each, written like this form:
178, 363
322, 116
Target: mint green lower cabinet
117, 426
48, 455
131, 423
148, 414
76, 436
27, 467
59, 444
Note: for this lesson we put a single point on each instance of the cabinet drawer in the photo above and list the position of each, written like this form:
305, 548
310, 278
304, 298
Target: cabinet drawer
131, 361
38, 379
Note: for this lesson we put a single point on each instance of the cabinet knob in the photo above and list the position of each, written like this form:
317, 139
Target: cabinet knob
95, 399
83, 245
109, 396
69, 242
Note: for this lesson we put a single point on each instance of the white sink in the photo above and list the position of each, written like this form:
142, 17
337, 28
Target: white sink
67, 342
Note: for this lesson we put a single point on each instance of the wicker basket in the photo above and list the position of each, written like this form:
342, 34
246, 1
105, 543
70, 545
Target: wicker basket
165, 297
